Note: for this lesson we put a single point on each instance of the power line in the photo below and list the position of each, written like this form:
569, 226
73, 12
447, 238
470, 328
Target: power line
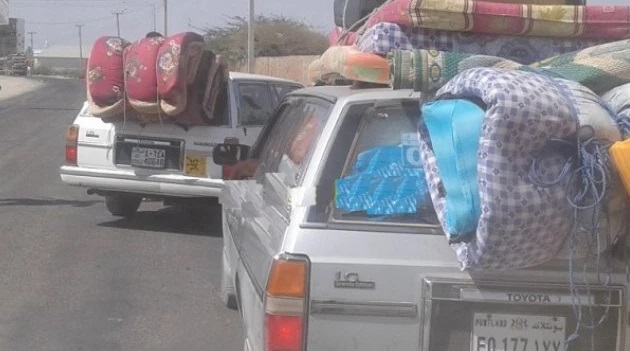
89, 20
65, 23
81, 4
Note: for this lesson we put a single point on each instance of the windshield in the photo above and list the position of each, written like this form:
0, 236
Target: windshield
373, 173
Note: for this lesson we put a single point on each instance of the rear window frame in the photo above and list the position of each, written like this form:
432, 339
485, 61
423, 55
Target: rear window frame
313, 219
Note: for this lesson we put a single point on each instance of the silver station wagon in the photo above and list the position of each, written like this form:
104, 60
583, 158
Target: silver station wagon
311, 267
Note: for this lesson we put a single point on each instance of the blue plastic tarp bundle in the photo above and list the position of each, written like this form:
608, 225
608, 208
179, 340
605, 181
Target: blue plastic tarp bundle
454, 126
383, 182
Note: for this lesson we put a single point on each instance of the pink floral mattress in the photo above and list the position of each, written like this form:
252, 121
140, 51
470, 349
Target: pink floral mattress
599, 22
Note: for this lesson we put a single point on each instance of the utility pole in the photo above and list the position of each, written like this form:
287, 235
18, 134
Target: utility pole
165, 17
251, 57
80, 45
117, 14
154, 17
32, 47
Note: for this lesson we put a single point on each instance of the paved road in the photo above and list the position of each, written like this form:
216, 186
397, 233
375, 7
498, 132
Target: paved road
72, 277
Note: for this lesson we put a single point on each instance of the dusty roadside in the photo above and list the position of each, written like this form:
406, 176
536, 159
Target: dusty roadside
15, 86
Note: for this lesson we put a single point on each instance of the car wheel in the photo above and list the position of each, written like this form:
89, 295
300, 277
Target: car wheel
227, 294
123, 205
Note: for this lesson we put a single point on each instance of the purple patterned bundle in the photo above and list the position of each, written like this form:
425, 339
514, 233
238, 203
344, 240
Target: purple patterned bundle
386, 37
521, 224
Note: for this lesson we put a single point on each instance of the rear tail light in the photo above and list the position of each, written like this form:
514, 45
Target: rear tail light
227, 170
72, 136
286, 304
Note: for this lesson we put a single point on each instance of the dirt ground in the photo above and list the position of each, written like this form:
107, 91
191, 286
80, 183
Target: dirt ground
16, 86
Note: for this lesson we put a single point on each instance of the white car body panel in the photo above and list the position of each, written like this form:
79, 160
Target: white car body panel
396, 313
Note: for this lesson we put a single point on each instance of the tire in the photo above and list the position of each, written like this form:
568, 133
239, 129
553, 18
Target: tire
227, 294
123, 205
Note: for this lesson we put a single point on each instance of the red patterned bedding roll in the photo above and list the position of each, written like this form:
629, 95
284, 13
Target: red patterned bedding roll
178, 60
140, 74
105, 77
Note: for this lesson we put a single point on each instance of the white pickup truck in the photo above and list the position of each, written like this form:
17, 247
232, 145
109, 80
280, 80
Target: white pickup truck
126, 161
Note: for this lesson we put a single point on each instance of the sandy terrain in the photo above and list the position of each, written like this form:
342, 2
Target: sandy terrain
16, 86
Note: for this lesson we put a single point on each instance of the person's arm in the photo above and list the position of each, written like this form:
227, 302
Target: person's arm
244, 169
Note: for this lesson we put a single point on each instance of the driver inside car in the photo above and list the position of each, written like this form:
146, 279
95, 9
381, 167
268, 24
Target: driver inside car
300, 147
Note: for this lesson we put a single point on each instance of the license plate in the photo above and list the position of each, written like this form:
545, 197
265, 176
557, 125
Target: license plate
148, 157
510, 332
195, 165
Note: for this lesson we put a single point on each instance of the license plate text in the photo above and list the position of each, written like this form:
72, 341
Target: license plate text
507, 332
148, 157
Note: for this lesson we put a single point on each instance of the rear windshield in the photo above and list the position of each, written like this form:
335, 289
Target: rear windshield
373, 173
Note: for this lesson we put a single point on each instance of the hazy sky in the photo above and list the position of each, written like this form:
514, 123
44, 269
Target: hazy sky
54, 20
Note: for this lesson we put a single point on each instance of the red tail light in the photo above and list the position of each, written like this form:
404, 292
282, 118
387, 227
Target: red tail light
284, 333
286, 304
72, 136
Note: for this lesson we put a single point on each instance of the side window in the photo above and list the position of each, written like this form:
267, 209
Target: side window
289, 145
255, 103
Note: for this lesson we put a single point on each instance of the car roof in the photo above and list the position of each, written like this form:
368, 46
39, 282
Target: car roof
251, 76
336, 93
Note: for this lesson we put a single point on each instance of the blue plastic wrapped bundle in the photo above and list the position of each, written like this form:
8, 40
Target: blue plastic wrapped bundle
355, 193
454, 127
399, 195
373, 159
383, 182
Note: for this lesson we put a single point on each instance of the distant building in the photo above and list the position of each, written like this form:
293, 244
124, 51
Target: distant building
61, 58
4, 12
12, 37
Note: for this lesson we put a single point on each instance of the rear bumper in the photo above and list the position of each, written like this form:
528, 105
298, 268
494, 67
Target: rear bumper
129, 181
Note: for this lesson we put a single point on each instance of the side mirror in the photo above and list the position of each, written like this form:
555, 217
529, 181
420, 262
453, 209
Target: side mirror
349, 12
229, 154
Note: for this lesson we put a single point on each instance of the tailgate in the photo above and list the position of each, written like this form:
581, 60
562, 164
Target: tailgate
150, 149
95, 142
387, 291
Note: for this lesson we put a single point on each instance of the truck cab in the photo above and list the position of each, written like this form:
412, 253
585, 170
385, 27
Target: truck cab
17, 65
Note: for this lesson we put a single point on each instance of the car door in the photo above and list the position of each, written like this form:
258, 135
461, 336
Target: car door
257, 211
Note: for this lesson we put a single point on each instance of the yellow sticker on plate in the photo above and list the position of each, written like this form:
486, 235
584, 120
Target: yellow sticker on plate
195, 165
